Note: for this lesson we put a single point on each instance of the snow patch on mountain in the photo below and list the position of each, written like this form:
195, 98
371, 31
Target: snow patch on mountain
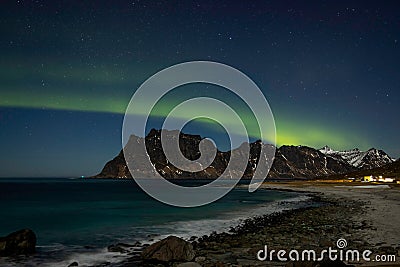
371, 158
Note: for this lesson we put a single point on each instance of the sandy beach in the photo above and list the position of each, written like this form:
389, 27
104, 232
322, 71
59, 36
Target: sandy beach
381, 208
367, 217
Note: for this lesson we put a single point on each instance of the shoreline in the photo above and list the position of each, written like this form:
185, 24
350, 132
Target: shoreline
298, 201
365, 217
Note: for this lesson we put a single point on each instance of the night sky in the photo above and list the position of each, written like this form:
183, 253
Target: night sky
329, 69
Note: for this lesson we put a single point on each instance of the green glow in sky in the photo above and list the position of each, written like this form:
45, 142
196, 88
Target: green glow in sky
290, 131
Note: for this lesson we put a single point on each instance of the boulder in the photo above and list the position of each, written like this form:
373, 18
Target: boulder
169, 249
200, 259
21, 242
116, 248
120, 247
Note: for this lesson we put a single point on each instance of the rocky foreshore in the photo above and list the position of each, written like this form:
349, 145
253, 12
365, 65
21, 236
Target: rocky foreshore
364, 219
316, 227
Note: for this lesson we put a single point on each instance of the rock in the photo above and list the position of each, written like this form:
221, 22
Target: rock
21, 242
189, 264
116, 248
200, 259
120, 247
128, 245
247, 262
73, 264
225, 257
171, 248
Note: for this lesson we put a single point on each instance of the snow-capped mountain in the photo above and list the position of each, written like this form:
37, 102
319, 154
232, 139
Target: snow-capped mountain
369, 159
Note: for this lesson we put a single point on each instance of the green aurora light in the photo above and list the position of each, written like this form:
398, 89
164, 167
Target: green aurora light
289, 131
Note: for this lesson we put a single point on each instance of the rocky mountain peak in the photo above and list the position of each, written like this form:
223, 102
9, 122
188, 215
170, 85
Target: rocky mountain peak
326, 149
371, 158
289, 162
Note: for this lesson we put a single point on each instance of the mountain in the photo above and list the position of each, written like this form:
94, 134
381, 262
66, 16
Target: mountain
289, 162
189, 146
305, 162
364, 160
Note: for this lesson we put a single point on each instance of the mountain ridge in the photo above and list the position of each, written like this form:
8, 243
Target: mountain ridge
371, 158
289, 162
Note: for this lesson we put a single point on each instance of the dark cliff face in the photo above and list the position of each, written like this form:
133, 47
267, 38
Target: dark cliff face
189, 146
115, 168
302, 161
289, 162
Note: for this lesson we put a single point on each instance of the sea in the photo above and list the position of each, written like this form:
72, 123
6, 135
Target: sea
75, 220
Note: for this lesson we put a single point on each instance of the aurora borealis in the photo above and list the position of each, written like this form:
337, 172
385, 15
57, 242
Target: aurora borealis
330, 71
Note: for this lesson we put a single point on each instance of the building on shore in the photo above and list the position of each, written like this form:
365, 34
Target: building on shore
380, 178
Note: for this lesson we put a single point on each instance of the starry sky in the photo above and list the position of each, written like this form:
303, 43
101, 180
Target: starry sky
329, 69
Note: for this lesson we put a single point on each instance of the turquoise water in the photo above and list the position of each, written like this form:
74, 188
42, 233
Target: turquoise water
78, 218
